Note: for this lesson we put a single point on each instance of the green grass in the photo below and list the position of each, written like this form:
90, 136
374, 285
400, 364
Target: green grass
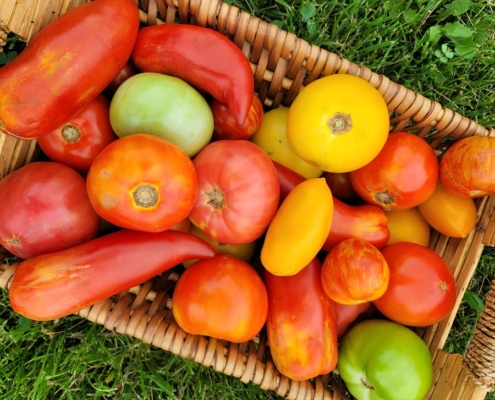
442, 49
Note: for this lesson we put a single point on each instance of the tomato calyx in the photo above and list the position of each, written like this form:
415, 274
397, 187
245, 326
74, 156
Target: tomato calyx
385, 198
340, 123
70, 133
366, 383
216, 199
14, 241
145, 195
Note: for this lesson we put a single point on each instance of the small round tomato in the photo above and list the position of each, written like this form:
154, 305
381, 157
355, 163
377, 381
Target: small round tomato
467, 167
125, 73
348, 315
226, 126
450, 214
421, 290
408, 226
340, 185
272, 138
238, 192
154, 189
45, 208
182, 226
82, 138
222, 297
243, 252
338, 123
402, 176
354, 272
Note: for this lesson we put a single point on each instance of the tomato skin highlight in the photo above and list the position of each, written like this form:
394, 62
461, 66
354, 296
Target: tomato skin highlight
301, 326
55, 285
202, 57
68, 66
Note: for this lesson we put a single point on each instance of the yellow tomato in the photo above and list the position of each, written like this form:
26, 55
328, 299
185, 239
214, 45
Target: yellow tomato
408, 226
241, 251
338, 123
272, 138
299, 228
449, 213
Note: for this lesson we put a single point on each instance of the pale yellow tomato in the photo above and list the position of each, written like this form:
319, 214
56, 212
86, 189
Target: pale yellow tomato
299, 228
448, 213
408, 226
338, 123
243, 252
272, 138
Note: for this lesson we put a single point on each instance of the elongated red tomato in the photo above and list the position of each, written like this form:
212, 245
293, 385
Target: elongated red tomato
77, 142
54, 285
202, 57
301, 326
66, 66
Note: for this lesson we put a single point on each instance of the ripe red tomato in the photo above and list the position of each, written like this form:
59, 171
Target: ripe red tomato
421, 290
238, 191
125, 73
340, 185
226, 126
402, 176
151, 191
354, 272
82, 138
348, 315
45, 208
222, 297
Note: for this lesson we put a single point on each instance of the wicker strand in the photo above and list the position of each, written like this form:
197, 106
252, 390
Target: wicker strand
480, 355
4, 30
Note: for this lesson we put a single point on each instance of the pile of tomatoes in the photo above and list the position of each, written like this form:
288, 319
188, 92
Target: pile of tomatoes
309, 221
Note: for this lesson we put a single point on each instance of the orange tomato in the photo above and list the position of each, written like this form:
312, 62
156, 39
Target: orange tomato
338, 123
448, 213
408, 226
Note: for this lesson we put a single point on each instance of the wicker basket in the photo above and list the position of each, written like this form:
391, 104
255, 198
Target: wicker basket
282, 64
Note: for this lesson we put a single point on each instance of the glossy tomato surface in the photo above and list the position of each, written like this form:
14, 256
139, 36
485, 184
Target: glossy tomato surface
408, 226
340, 185
45, 208
222, 297
421, 290
403, 175
238, 191
77, 142
142, 182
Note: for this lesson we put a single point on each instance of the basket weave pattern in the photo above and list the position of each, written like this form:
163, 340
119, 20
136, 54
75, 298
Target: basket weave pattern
282, 65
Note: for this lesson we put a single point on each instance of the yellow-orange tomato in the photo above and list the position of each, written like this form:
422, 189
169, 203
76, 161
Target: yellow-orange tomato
242, 251
224, 298
408, 226
299, 228
338, 123
448, 213
272, 138
354, 272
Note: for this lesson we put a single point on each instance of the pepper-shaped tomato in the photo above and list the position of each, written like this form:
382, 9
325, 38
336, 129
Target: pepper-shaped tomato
202, 57
223, 297
65, 66
142, 182
301, 328
54, 285
299, 228
383, 360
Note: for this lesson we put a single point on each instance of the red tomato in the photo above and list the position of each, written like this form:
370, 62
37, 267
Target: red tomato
226, 126
82, 138
288, 179
402, 176
142, 182
125, 73
340, 185
238, 193
346, 315
354, 272
222, 297
45, 208
421, 290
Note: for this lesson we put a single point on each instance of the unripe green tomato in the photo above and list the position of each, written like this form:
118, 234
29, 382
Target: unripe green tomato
383, 360
164, 106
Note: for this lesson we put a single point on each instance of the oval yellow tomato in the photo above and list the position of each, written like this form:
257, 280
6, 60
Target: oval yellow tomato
272, 138
408, 226
450, 214
338, 123
299, 228
243, 252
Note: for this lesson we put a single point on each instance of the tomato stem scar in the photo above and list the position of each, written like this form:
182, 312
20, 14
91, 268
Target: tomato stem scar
340, 123
216, 198
14, 241
365, 382
70, 133
385, 198
145, 195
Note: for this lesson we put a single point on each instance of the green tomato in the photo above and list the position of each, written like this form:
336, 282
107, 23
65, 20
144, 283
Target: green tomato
383, 360
164, 106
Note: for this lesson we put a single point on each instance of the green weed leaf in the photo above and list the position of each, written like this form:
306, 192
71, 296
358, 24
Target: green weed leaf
11, 55
434, 34
456, 29
308, 12
473, 300
458, 7
3, 58
278, 23
466, 51
409, 16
